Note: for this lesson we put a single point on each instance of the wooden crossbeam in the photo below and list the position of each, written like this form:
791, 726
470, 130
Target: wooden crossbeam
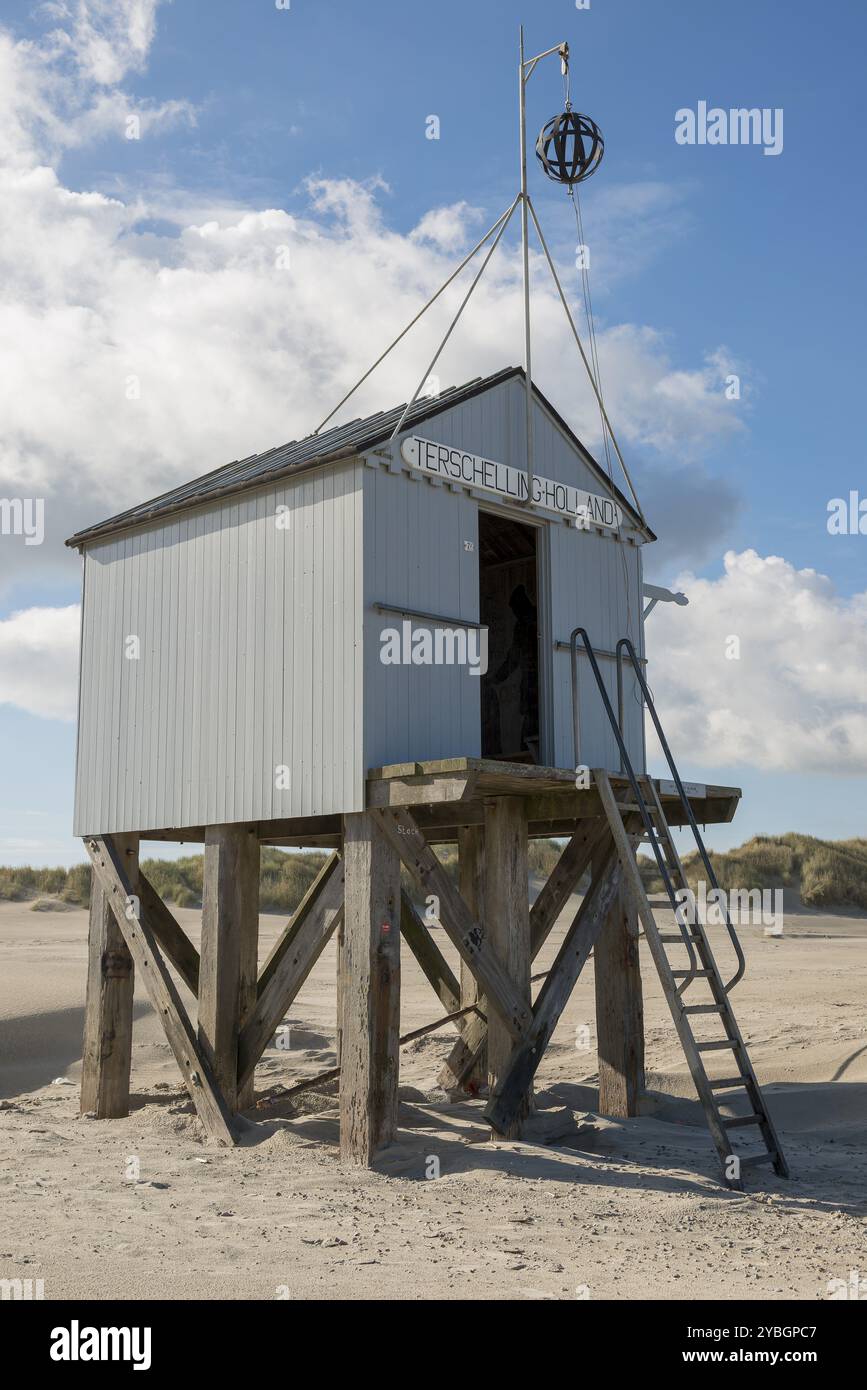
173, 939
505, 1105
434, 965
141, 940
463, 930
291, 961
559, 887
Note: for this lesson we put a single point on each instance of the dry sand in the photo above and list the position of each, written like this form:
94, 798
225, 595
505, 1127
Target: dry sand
584, 1207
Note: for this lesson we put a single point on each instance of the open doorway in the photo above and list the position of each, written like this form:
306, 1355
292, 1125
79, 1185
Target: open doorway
508, 606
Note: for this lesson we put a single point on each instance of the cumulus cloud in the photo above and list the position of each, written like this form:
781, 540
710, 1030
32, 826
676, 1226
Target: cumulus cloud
64, 90
39, 661
448, 228
795, 698
142, 360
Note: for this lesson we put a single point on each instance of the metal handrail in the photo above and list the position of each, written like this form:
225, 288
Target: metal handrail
626, 766
625, 644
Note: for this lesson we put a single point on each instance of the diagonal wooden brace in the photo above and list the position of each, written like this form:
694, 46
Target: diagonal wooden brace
291, 961
561, 884
174, 941
554, 995
463, 930
433, 963
141, 940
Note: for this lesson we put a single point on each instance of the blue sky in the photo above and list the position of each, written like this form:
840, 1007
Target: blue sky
700, 250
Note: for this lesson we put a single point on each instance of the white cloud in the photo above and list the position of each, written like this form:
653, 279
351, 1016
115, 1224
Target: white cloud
106, 39
796, 700
448, 228
65, 90
142, 360
39, 661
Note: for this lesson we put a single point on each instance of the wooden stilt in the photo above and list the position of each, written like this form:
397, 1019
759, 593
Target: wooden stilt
503, 1108
405, 837
507, 922
370, 990
619, 1008
340, 970
471, 1048
107, 1048
110, 871
227, 970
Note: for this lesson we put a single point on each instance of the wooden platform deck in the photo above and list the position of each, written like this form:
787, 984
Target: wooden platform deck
449, 794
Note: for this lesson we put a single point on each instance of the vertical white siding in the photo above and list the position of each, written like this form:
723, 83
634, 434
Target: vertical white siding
596, 584
414, 554
250, 658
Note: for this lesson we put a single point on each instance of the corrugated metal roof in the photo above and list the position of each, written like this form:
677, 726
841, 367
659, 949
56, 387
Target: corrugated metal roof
343, 441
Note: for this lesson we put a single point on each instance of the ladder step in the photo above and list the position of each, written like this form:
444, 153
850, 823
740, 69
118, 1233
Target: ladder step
670, 940
738, 1120
752, 1160
716, 1046
696, 974
727, 1082
703, 1008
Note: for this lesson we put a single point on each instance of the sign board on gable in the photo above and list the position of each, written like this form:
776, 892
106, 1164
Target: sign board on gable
457, 466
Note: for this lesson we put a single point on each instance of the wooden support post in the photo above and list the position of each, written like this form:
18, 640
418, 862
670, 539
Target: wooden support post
619, 1007
107, 1049
230, 936
503, 1108
370, 990
110, 870
507, 926
562, 883
464, 932
340, 977
471, 869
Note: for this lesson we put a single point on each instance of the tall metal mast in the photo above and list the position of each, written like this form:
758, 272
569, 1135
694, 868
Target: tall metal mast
525, 252
525, 72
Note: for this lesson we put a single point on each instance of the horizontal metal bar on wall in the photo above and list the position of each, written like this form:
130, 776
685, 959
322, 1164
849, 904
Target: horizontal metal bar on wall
598, 651
428, 617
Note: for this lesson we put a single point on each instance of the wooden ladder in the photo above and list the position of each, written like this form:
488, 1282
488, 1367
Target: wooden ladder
637, 818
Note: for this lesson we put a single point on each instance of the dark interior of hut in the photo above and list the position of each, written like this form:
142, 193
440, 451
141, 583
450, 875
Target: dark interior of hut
508, 597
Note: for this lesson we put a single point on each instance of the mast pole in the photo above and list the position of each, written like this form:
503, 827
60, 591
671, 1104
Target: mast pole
525, 250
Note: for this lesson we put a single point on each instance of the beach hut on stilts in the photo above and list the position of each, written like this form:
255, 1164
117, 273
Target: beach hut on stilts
426, 626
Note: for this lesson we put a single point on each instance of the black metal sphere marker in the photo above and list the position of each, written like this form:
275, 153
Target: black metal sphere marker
570, 147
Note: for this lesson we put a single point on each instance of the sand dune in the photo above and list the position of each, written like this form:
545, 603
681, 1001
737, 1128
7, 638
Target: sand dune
618, 1208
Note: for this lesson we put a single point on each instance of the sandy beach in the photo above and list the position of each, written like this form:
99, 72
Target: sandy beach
582, 1207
